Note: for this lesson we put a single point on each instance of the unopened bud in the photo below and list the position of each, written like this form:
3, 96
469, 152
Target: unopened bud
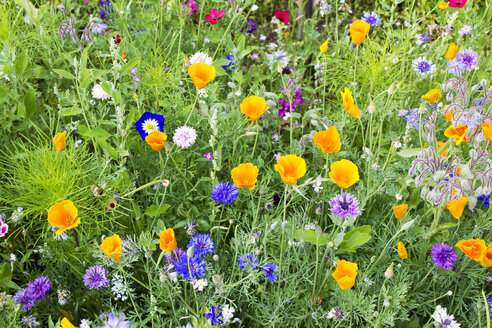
215, 258
422, 108
285, 224
392, 89
372, 107
190, 252
217, 279
407, 225
250, 133
389, 272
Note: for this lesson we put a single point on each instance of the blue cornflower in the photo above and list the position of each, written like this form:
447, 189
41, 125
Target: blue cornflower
213, 317
202, 245
248, 261
196, 267
270, 270
489, 301
423, 39
371, 19
38, 288
148, 123
485, 200
224, 192
423, 66
106, 8
232, 63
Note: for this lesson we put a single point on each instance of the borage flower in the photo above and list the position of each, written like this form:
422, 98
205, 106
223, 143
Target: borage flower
214, 16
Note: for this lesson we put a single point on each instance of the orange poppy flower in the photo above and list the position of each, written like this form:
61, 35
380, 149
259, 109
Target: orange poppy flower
400, 210
65, 323
345, 274
456, 207
112, 246
59, 141
201, 74
487, 257
123, 56
402, 251
443, 5
358, 31
449, 115
245, 175
452, 51
344, 173
473, 248
348, 103
459, 133
167, 241
63, 215
432, 96
253, 107
291, 168
328, 141
439, 146
156, 139
487, 130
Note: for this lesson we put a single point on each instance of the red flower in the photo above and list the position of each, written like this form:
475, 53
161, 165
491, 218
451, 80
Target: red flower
284, 16
214, 15
117, 39
457, 3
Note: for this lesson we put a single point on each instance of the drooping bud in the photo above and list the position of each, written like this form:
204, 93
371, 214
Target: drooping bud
372, 107
389, 272
392, 89
190, 252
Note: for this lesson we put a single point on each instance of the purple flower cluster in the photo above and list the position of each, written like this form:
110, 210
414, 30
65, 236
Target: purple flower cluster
297, 100
96, 277
36, 290
249, 27
443, 256
345, 206
106, 8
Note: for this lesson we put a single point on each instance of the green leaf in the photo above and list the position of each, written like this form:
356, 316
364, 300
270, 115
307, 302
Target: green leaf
97, 133
107, 147
311, 236
64, 73
71, 111
154, 210
84, 78
30, 103
128, 66
21, 63
445, 226
356, 238
409, 152
6, 277
83, 59
21, 109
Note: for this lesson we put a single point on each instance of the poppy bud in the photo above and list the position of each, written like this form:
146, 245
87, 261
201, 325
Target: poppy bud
372, 107
392, 89
389, 272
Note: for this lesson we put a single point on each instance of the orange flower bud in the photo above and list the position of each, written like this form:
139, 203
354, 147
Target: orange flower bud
59, 141
358, 31
402, 251
452, 51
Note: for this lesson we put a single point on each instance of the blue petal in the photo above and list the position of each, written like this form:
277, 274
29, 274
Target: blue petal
147, 115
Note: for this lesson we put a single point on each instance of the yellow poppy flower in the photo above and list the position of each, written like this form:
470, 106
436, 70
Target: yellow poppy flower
443, 5
59, 141
291, 168
323, 48
487, 257
65, 323
253, 107
345, 274
456, 207
432, 96
358, 31
487, 130
156, 139
64, 216
328, 141
452, 51
201, 74
344, 173
112, 247
449, 115
245, 175
473, 248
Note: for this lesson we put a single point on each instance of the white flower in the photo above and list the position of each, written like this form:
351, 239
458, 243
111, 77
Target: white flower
317, 185
397, 144
99, 93
201, 57
272, 46
398, 197
184, 136
443, 319
228, 312
254, 7
262, 37
199, 284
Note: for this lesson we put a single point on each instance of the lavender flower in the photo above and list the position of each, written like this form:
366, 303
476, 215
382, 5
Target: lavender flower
96, 277
38, 288
443, 256
468, 58
345, 206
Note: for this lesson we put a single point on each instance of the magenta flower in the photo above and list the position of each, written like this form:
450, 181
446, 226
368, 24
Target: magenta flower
283, 16
214, 15
192, 6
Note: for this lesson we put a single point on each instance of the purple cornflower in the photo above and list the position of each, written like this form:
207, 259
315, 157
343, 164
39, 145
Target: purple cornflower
202, 245
468, 58
96, 277
24, 298
371, 19
344, 206
270, 270
443, 256
213, 317
248, 261
209, 156
249, 27
485, 200
224, 192
196, 267
175, 256
38, 288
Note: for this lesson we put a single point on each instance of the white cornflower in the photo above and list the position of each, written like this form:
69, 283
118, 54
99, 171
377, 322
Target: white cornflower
184, 136
444, 320
199, 284
99, 93
201, 57
63, 296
